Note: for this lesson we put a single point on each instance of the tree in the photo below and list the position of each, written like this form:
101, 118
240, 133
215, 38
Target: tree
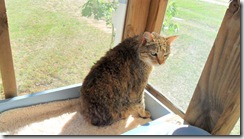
103, 9
169, 26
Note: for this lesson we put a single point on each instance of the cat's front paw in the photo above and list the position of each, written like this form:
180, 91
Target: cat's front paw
145, 114
148, 114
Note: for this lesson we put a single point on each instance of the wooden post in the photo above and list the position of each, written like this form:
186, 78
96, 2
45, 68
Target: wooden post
6, 61
144, 15
156, 15
215, 105
136, 17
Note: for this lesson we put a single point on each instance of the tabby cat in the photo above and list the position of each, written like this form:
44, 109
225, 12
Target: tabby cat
117, 81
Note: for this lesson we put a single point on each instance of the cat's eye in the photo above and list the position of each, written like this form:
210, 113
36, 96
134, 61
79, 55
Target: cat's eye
166, 54
154, 54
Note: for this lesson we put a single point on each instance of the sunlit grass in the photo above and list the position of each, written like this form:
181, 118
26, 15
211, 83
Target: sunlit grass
198, 26
51, 48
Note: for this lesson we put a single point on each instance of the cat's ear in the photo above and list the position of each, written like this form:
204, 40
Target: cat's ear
171, 39
147, 37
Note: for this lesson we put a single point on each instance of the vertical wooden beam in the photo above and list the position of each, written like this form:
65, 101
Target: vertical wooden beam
215, 105
144, 15
156, 15
6, 61
136, 17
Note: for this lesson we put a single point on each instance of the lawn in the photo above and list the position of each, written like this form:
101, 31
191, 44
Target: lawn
53, 46
199, 22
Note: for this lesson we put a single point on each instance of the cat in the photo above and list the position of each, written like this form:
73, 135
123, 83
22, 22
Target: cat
117, 81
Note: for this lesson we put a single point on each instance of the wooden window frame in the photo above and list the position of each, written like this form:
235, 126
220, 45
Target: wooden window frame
6, 60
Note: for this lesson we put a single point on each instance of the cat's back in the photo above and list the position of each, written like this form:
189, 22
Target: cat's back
121, 54
116, 64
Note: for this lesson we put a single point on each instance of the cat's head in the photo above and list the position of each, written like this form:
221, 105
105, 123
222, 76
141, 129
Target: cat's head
155, 49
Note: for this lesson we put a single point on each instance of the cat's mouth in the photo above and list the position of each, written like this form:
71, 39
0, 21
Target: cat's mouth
157, 63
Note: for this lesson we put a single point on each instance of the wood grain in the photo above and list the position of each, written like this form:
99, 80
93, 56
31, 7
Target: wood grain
6, 61
156, 15
136, 17
215, 105
144, 15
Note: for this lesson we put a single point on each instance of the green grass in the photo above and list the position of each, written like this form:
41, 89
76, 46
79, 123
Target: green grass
198, 27
53, 48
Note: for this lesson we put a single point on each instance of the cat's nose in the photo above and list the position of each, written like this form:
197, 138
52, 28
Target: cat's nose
161, 62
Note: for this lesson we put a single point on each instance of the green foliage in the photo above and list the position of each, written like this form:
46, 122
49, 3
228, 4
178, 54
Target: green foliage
103, 9
169, 26
100, 9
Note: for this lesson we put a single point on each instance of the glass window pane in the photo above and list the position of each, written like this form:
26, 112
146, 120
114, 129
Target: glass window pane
197, 23
53, 45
